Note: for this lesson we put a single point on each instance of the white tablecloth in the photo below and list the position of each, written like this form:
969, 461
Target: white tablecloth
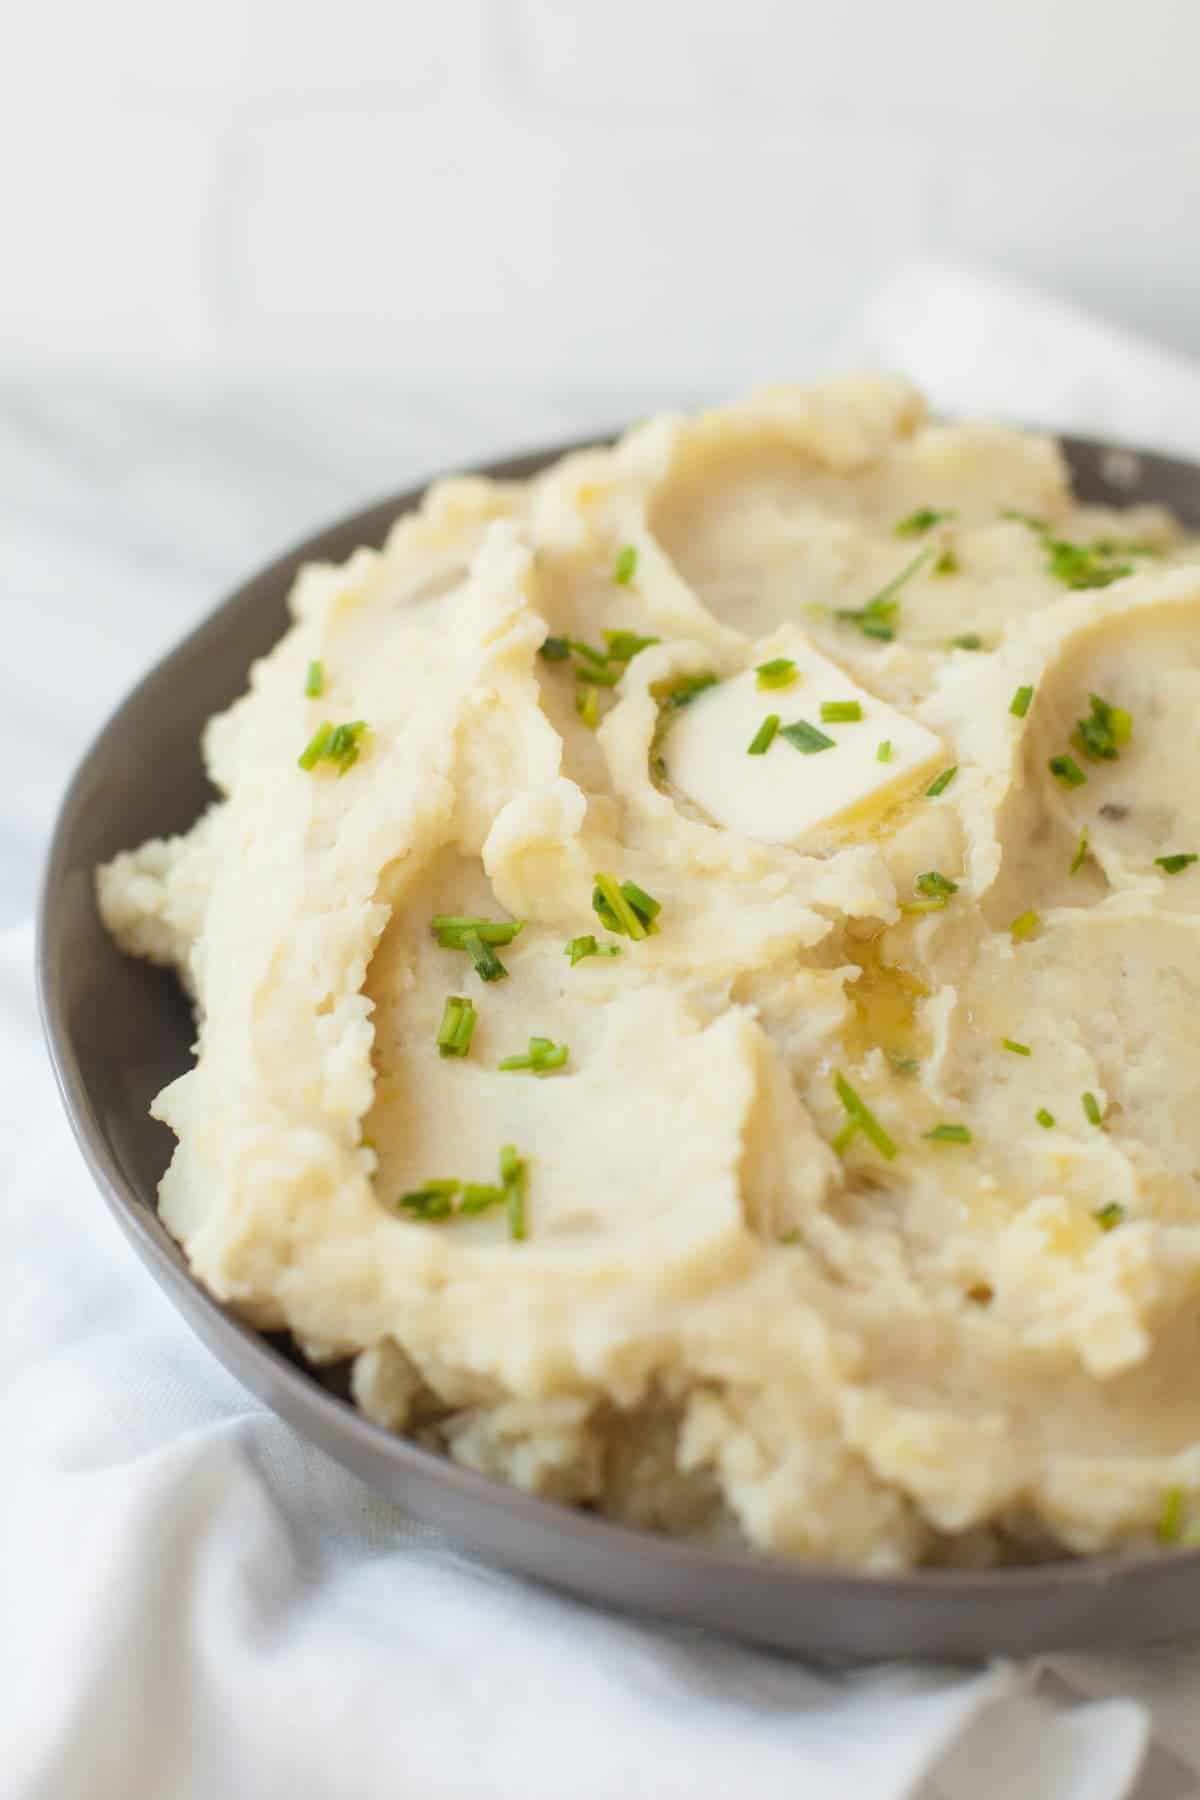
194, 1604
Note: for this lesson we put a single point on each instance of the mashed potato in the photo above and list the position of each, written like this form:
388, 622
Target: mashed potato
697, 975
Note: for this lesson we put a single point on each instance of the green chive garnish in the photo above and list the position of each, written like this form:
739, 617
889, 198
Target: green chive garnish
314, 680
948, 564
577, 948
626, 909
542, 1055
876, 619
806, 738
935, 886
1091, 1107
1081, 853
948, 1134
1017, 1049
554, 649
941, 782
970, 640
337, 744
432, 1201
512, 1176
316, 746
919, 522
1045, 1119
764, 737
625, 565
1105, 730
1067, 770
457, 1026
1171, 865
840, 712
780, 672
1024, 925
884, 752
1170, 1525
860, 1118
478, 1197
587, 705
623, 646
477, 937
1018, 706
902, 1065
1107, 1217
683, 692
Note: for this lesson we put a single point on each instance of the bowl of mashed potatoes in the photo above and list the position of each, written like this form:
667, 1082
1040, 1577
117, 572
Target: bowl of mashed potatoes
681, 1000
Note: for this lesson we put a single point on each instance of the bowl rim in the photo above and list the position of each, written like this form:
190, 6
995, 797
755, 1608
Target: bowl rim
258, 1363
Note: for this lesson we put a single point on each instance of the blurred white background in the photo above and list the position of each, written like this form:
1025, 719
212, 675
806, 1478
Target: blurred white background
502, 189
264, 259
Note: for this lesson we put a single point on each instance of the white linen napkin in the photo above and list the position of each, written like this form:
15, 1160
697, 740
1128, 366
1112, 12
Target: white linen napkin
195, 1604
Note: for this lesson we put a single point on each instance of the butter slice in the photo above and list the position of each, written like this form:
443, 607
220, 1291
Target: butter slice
784, 795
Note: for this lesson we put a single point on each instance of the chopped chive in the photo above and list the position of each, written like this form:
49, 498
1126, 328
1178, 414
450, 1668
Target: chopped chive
554, 649
840, 712
764, 737
543, 1055
333, 743
919, 522
314, 680
593, 665
512, 1176
485, 962
860, 1118
1101, 735
626, 564
780, 672
432, 1201
1082, 565
316, 746
941, 782
457, 1026
948, 1134
932, 884
1172, 865
579, 947
627, 909
1045, 1119
644, 904
903, 1065
1107, 1217
683, 692
623, 646
970, 640
884, 752
1067, 770
477, 937
1091, 1107
876, 618
1170, 1525
478, 1197
1018, 706
1081, 853
1024, 925
1016, 1048
587, 705
450, 929
806, 738
948, 564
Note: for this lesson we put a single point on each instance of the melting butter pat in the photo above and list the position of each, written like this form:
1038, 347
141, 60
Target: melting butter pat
786, 795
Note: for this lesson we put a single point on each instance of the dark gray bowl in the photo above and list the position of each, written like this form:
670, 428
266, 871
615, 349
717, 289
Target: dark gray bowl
118, 1030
